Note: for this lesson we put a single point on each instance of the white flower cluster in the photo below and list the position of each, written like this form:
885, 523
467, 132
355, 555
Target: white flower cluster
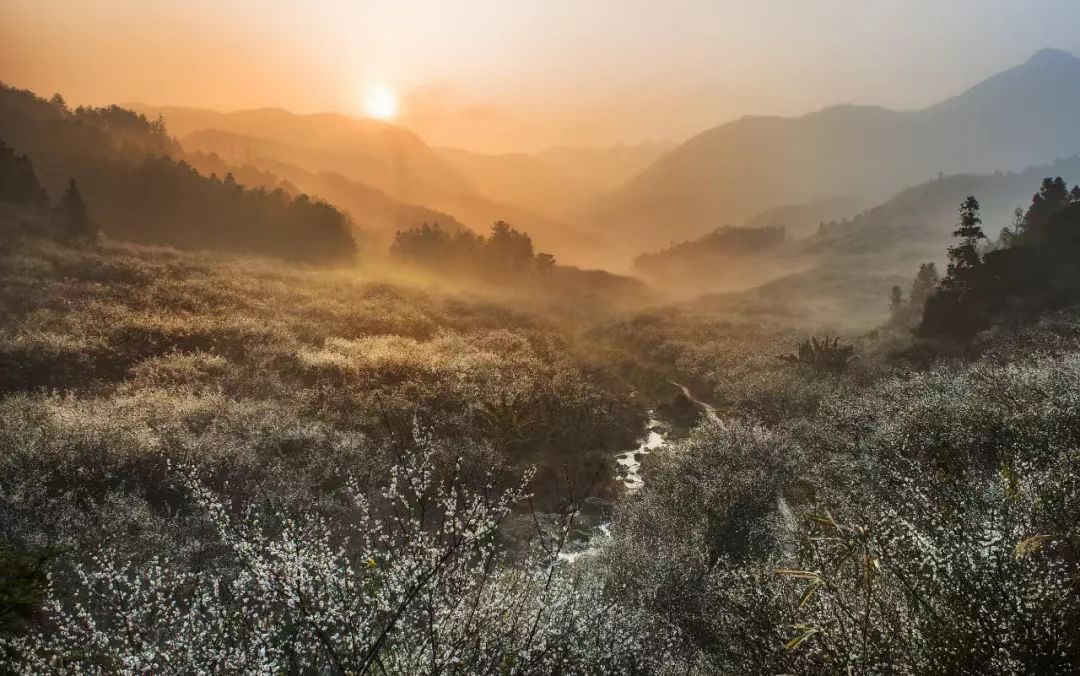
417, 584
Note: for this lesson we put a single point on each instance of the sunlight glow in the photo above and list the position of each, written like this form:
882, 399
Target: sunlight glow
380, 102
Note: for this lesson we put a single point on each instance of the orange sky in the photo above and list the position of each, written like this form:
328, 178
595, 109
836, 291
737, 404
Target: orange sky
524, 74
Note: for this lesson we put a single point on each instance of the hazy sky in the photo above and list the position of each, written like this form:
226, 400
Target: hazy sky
521, 74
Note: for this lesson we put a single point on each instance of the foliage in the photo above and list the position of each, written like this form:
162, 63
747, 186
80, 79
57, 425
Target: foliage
824, 356
1034, 269
126, 168
925, 523
115, 359
504, 254
419, 590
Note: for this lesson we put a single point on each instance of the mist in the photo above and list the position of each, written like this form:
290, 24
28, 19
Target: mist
539, 338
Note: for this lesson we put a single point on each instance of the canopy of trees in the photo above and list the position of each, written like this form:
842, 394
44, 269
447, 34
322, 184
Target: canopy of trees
504, 253
1029, 271
19, 185
18, 181
127, 170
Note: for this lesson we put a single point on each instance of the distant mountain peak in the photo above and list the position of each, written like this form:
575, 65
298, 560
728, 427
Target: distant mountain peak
1019, 117
1050, 56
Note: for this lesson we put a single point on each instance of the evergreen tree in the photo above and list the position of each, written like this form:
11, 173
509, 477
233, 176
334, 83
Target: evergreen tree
926, 281
18, 180
75, 218
58, 101
1052, 196
896, 300
964, 255
507, 248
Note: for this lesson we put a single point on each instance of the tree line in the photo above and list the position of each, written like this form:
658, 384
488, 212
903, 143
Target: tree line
504, 253
69, 219
128, 170
1033, 267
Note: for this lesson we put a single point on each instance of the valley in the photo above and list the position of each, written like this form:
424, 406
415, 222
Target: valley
528, 339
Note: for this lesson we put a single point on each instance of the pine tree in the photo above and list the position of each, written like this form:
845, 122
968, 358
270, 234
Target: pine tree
1052, 196
926, 281
75, 218
896, 300
58, 101
964, 255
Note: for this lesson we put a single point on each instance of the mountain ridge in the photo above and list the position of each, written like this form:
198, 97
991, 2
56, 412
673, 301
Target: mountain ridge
727, 173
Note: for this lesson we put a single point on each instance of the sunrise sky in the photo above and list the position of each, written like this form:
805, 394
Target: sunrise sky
525, 74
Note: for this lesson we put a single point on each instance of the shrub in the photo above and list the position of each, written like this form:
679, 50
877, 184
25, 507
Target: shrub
420, 589
824, 356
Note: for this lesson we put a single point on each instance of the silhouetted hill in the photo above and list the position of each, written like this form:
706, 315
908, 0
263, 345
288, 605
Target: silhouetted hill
378, 154
373, 210
916, 225
842, 273
799, 220
354, 163
604, 165
525, 180
1020, 117
558, 182
136, 186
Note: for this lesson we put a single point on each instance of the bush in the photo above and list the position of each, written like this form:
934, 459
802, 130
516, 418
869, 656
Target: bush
420, 589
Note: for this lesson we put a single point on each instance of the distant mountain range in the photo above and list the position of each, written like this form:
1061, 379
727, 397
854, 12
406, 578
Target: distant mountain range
389, 179
606, 205
383, 156
842, 274
1024, 116
558, 182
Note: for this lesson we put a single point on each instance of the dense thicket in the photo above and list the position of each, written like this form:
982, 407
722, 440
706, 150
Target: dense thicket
126, 168
287, 388
924, 524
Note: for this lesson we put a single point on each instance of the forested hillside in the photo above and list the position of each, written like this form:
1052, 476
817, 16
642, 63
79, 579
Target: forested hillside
127, 168
840, 272
383, 174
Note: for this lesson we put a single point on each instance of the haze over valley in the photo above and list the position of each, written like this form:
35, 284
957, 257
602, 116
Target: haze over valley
540, 337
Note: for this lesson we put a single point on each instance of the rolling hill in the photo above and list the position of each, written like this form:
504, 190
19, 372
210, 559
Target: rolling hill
383, 156
844, 272
1021, 117
384, 175
559, 182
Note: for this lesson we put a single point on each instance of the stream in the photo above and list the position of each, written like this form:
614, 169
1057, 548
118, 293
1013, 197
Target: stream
629, 465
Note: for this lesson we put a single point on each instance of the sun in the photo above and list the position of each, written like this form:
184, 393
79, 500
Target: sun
380, 102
